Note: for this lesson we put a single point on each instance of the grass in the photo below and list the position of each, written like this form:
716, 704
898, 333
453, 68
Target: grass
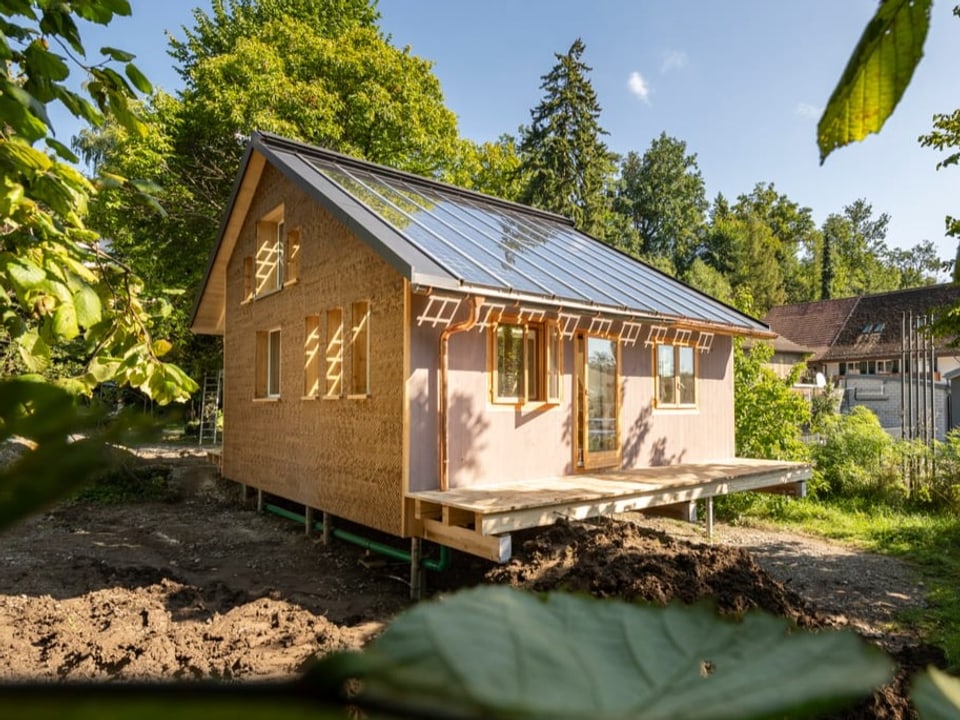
927, 539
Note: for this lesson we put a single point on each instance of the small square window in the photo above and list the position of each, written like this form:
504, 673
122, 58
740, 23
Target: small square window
676, 381
526, 363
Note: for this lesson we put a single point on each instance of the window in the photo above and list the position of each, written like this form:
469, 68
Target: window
311, 353
360, 349
270, 247
267, 361
291, 254
526, 363
676, 378
333, 377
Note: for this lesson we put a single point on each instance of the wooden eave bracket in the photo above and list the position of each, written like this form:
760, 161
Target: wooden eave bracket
704, 342
630, 332
655, 335
440, 310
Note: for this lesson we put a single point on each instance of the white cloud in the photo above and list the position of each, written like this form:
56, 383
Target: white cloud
638, 86
806, 110
673, 60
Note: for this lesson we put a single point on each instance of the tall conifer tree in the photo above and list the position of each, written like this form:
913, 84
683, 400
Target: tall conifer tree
568, 168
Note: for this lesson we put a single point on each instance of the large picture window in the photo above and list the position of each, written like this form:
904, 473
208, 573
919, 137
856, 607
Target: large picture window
526, 363
676, 377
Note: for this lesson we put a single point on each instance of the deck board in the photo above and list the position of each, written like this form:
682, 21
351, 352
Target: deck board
520, 495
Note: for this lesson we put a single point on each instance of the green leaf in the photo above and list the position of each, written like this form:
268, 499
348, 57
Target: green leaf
117, 54
23, 274
65, 321
138, 79
936, 695
87, 303
34, 352
877, 74
25, 157
493, 651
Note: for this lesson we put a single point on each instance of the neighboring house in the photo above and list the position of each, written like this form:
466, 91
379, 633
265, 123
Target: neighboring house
439, 364
875, 349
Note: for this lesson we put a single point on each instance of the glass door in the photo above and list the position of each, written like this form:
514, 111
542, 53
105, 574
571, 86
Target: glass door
597, 363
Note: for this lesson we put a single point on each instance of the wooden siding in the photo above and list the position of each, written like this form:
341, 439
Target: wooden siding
343, 456
652, 436
493, 443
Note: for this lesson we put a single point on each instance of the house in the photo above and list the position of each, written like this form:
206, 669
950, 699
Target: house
438, 364
875, 348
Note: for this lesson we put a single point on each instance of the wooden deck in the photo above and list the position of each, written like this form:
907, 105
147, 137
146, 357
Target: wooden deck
478, 520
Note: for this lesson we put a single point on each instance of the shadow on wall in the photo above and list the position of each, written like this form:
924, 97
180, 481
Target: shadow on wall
658, 454
636, 436
466, 428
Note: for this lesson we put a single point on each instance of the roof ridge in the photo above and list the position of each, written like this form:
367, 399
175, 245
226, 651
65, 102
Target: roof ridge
269, 138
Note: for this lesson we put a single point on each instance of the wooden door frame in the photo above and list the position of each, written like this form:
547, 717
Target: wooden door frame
607, 458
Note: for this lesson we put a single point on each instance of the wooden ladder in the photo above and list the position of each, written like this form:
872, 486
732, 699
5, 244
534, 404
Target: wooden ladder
210, 407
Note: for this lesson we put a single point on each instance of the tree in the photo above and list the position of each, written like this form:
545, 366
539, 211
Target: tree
566, 166
664, 196
856, 257
795, 231
321, 72
768, 414
58, 285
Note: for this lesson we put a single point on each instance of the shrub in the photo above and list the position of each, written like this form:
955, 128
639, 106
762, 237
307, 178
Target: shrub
856, 456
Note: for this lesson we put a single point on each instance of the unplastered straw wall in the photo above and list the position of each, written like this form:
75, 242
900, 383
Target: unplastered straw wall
340, 455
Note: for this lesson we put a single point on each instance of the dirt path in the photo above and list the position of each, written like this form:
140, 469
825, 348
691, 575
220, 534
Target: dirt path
198, 585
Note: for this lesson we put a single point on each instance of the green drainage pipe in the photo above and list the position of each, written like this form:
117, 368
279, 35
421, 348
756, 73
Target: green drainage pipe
436, 565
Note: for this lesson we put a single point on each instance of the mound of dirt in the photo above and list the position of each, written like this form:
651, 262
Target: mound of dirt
621, 559
193, 584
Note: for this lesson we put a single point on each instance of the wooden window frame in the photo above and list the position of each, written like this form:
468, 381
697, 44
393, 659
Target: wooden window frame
291, 257
269, 262
677, 388
311, 356
267, 384
360, 315
546, 363
585, 460
333, 355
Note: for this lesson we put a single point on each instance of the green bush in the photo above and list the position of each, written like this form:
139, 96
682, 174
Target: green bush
856, 457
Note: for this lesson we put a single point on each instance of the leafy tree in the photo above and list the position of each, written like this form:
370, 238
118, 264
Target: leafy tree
663, 195
859, 261
566, 166
316, 71
768, 414
919, 265
58, 284
795, 232
491, 167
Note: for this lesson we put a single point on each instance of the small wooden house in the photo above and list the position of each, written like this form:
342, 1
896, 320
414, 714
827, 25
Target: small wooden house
435, 363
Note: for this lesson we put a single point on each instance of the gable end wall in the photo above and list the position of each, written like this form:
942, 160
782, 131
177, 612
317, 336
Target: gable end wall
343, 456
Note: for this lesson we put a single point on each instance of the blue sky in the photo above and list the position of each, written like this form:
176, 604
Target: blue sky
742, 82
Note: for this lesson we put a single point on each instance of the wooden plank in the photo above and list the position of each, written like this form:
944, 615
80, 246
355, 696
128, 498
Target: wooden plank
458, 516
431, 510
492, 547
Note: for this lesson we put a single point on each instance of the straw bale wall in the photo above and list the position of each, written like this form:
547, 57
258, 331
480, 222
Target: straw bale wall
341, 455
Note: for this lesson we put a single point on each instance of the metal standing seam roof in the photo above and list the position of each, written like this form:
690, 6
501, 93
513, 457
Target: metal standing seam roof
446, 237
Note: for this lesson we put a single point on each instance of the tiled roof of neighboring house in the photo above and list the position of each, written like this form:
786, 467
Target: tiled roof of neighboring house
874, 329
859, 328
440, 236
814, 325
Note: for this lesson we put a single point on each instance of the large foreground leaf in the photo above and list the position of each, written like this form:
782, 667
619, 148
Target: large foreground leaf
878, 72
497, 652
936, 695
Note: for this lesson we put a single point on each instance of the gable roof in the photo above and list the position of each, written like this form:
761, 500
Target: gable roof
440, 236
870, 327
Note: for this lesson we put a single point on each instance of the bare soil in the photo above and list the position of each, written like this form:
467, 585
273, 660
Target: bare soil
198, 585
